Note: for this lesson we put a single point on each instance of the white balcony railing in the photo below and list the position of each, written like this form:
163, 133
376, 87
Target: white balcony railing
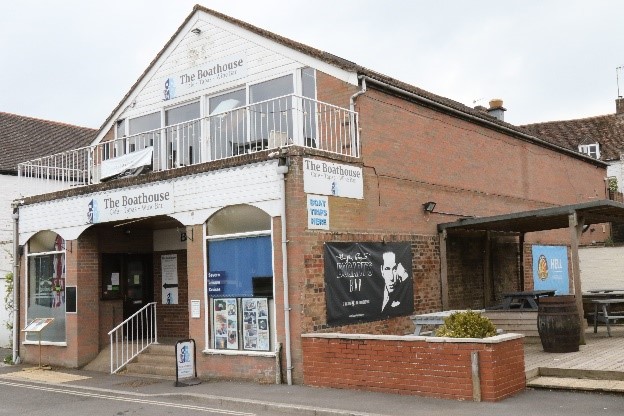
279, 122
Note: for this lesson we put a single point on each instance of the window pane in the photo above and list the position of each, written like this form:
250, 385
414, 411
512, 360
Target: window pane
238, 219
144, 123
308, 83
271, 89
121, 128
46, 295
240, 260
181, 114
45, 241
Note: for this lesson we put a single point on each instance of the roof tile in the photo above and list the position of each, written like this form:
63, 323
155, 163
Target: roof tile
26, 138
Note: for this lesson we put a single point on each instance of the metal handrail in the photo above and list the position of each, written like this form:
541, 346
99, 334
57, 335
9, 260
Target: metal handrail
141, 328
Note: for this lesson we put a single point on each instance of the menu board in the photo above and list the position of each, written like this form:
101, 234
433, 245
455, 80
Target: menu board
225, 313
255, 324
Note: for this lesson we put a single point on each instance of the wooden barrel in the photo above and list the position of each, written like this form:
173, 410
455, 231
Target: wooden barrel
558, 323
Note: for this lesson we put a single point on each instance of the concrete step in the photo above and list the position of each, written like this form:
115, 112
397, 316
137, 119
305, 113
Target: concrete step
571, 383
162, 349
136, 368
157, 360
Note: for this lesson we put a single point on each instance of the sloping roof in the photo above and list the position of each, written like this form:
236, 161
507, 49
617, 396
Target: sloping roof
347, 65
25, 138
607, 130
594, 212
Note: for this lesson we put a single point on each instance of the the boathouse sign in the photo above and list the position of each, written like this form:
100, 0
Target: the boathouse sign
126, 204
204, 76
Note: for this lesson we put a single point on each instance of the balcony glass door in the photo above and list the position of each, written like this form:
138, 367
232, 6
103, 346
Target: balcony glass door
271, 117
228, 124
183, 135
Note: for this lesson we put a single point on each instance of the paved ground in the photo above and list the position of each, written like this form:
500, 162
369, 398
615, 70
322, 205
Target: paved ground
303, 400
598, 366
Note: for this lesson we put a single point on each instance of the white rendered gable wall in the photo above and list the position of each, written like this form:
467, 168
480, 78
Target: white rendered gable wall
264, 60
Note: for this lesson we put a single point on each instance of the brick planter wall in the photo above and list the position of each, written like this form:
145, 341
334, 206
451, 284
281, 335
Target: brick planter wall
424, 366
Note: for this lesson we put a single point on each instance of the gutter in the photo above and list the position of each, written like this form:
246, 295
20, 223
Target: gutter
480, 120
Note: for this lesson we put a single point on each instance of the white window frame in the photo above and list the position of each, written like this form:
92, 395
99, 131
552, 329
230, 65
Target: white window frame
26, 341
592, 149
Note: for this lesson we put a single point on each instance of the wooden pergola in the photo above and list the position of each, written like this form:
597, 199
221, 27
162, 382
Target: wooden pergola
574, 217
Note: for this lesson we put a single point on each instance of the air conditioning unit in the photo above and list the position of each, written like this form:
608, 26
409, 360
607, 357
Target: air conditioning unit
278, 139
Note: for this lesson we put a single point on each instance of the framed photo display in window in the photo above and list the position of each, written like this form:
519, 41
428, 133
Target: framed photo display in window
225, 313
256, 324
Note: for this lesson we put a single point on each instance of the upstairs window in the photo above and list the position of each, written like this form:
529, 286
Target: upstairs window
592, 150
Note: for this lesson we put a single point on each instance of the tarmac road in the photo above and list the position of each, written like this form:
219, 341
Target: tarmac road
25, 390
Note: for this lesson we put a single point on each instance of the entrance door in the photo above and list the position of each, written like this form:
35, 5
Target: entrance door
137, 287
128, 277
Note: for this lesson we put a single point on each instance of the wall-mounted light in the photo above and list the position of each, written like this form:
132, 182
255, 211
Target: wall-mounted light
196, 30
429, 206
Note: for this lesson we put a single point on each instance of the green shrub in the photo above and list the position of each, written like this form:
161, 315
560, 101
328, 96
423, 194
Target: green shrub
468, 324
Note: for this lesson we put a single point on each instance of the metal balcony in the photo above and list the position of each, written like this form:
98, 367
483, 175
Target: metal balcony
280, 122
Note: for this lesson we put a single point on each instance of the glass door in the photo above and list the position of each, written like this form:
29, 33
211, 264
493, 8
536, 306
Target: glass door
183, 134
228, 124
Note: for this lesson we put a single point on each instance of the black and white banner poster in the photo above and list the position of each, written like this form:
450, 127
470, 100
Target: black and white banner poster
367, 281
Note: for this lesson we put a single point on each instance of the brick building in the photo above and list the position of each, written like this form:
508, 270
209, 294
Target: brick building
240, 168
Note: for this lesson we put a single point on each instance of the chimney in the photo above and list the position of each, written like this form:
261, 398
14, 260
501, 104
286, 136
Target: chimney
619, 105
496, 109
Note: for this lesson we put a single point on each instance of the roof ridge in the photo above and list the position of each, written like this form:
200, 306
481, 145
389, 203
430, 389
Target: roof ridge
573, 120
42, 120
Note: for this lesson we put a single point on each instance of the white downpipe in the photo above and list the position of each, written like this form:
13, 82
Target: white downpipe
16, 284
282, 171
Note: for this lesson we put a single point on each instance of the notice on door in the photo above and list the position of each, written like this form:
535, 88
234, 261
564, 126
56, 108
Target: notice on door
169, 268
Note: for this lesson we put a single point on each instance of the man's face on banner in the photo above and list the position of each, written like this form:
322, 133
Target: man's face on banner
388, 271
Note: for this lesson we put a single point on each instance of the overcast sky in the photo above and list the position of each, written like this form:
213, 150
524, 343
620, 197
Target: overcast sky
73, 60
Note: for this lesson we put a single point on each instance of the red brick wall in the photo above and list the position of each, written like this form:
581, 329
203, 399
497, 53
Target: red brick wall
435, 367
413, 154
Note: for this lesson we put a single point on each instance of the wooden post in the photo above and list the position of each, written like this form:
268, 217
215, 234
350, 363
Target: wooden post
476, 378
444, 271
487, 269
576, 227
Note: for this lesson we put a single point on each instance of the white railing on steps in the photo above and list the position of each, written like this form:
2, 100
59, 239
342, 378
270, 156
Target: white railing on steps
133, 336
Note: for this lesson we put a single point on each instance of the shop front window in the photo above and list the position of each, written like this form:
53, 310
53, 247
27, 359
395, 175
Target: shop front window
46, 285
240, 279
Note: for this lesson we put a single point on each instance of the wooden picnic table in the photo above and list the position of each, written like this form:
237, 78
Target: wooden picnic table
528, 299
603, 315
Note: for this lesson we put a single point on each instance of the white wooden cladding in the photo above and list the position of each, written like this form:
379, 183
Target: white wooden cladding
201, 193
218, 39
212, 44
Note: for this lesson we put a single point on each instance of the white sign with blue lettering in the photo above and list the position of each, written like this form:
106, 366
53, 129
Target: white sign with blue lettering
326, 178
318, 212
